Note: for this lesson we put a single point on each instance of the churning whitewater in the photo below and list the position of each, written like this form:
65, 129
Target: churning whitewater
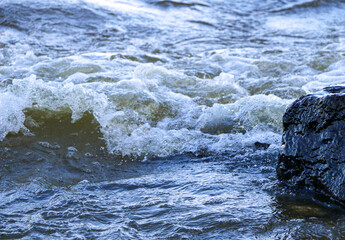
155, 112
159, 119
157, 91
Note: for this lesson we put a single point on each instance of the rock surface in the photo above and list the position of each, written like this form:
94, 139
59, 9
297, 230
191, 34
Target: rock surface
313, 145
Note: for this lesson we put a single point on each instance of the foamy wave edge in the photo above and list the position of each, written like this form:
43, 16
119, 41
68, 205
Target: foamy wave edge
143, 117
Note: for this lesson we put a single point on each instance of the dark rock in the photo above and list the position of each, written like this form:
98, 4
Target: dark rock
313, 145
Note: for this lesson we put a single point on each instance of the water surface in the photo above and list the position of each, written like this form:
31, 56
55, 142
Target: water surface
149, 119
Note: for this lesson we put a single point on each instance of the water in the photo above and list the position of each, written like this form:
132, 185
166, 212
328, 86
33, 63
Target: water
149, 119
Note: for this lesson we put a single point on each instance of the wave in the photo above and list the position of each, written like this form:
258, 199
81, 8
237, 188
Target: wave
150, 115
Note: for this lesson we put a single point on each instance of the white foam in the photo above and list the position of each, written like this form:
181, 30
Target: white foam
11, 118
335, 75
146, 115
247, 112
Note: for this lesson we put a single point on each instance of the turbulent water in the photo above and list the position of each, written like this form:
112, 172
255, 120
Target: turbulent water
150, 119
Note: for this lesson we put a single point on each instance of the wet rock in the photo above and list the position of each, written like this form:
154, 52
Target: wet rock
313, 152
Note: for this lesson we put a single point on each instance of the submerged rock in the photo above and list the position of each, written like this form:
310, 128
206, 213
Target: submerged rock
313, 145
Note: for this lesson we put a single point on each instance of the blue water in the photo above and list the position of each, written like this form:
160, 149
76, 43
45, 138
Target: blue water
150, 119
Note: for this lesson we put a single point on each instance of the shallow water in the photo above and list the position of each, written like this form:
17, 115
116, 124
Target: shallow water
150, 119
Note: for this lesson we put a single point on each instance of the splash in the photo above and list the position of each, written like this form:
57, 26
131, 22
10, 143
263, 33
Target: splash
152, 114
